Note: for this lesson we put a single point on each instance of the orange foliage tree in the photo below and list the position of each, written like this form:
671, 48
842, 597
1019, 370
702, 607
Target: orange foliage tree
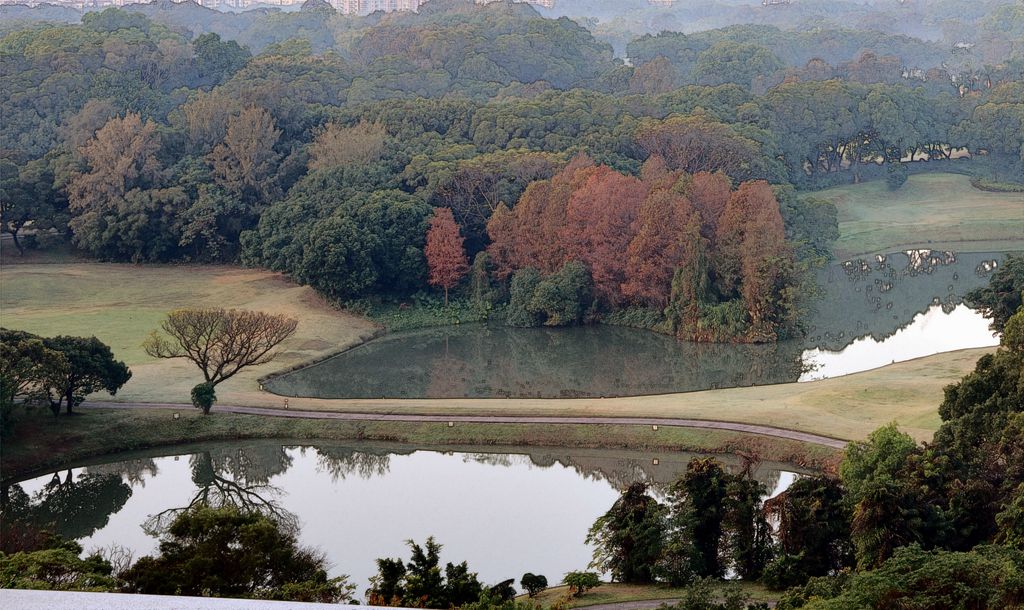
668, 241
446, 256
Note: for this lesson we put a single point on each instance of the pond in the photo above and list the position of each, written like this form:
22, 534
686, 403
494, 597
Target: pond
506, 513
869, 313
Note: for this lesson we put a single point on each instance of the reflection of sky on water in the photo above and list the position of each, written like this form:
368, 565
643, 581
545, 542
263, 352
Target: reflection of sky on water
932, 332
503, 513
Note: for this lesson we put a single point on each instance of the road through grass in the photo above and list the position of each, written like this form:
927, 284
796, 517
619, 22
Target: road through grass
937, 211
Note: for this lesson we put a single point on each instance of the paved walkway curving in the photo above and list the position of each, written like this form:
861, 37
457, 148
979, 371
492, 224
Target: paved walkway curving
794, 435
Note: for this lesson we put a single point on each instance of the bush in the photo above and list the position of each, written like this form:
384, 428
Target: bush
561, 299
819, 587
712, 594
533, 583
58, 568
784, 571
203, 397
896, 175
988, 577
581, 582
524, 283
564, 297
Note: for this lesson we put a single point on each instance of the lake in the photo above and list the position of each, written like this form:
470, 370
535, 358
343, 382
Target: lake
506, 512
869, 313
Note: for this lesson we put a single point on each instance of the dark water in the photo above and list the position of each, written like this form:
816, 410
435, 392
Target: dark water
360, 502
868, 313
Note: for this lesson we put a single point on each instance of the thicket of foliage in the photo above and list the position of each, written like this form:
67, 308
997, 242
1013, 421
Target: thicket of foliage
209, 552
421, 582
228, 553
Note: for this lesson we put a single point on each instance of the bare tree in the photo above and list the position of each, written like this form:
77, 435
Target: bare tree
221, 342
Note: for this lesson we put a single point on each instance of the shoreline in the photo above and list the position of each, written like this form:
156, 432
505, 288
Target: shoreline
44, 444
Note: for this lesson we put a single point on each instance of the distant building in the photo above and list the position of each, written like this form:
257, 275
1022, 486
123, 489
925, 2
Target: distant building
365, 7
661, 2
544, 3
776, 2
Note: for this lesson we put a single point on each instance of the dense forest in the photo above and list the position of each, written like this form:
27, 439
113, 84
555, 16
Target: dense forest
320, 146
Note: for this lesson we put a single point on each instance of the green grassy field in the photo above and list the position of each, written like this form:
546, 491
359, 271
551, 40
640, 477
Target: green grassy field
937, 211
121, 304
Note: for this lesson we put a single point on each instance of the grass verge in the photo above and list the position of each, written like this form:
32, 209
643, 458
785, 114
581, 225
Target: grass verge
41, 441
933, 210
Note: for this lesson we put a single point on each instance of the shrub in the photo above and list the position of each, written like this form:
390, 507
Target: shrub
524, 283
896, 175
784, 571
533, 583
564, 297
581, 582
203, 397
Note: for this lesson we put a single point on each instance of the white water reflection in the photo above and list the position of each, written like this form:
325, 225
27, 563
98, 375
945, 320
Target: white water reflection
931, 332
506, 514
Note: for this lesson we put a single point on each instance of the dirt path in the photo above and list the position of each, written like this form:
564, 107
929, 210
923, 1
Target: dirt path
794, 435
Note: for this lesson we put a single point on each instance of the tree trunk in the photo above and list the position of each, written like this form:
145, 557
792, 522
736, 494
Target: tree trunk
17, 244
446, 296
71, 401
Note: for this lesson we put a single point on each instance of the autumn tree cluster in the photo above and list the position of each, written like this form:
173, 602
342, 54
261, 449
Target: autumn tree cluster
713, 259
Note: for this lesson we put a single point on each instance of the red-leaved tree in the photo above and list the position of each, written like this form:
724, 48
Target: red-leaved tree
446, 256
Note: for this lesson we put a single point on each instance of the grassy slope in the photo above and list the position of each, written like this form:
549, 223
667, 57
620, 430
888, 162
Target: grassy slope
41, 441
611, 593
120, 304
938, 211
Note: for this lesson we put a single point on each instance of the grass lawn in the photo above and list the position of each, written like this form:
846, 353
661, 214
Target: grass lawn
612, 593
937, 211
41, 441
121, 304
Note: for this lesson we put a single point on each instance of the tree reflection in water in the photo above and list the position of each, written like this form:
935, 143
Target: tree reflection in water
70, 507
134, 472
238, 477
340, 462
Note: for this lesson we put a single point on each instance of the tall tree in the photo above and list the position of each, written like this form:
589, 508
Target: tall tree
659, 246
119, 208
628, 538
598, 220
26, 364
813, 531
694, 542
221, 342
446, 256
245, 163
358, 145
1003, 295
90, 368
421, 582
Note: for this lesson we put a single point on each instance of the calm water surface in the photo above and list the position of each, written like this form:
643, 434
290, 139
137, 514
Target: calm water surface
869, 313
505, 513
